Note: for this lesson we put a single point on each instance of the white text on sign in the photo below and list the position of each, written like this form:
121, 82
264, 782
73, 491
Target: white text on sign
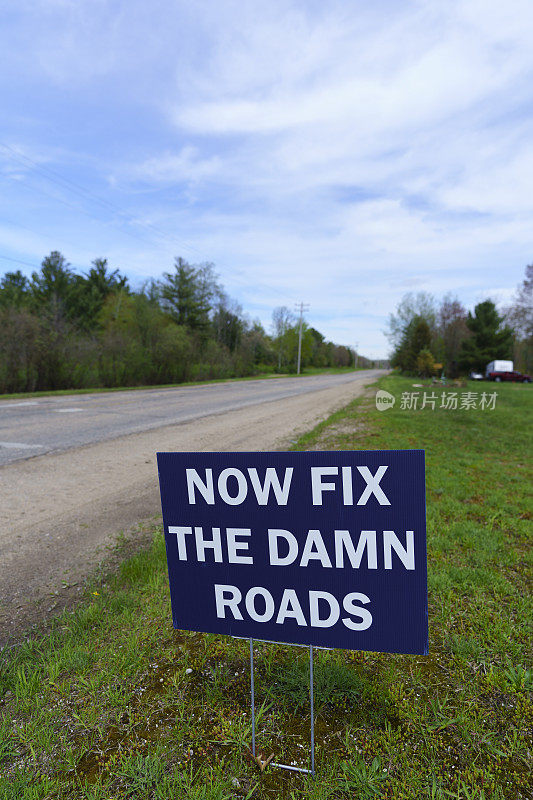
232, 485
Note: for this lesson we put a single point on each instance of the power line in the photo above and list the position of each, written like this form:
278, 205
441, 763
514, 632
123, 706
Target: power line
78, 189
54, 176
80, 210
43, 170
40, 234
34, 266
18, 261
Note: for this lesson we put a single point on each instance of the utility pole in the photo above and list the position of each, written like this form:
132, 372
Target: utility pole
301, 307
356, 355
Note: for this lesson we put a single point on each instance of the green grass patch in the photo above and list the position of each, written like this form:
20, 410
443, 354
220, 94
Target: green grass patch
115, 704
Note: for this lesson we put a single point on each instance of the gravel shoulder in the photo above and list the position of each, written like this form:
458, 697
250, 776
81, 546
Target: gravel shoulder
63, 514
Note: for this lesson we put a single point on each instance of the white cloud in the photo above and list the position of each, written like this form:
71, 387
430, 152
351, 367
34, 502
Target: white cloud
184, 166
332, 152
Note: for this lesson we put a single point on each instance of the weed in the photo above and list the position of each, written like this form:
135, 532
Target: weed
367, 781
114, 704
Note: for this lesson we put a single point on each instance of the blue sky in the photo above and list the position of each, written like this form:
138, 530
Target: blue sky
339, 153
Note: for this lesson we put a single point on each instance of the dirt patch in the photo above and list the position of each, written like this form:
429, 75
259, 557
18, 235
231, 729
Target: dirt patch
36, 618
351, 429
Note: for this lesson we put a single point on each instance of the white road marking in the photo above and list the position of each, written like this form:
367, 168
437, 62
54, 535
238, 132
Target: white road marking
20, 445
67, 410
18, 405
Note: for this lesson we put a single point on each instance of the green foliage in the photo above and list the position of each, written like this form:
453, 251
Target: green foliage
188, 294
316, 351
335, 683
367, 781
13, 290
228, 327
290, 347
52, 289
461, 342
112, 703
490, 340
425, 363
420, 305
416, 337
520, 317
61, 330
452, 330
21, 349
91, 291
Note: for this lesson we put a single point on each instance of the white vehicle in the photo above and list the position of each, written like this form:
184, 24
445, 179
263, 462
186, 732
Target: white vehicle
498, 366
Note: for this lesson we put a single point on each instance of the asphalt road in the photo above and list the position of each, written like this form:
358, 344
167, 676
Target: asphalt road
43, 425
79, 472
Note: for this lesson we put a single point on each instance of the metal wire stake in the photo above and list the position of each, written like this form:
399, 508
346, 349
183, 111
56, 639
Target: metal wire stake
252, 693
311, 693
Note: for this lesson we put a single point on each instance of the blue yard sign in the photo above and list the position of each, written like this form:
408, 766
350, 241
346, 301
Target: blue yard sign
320, 548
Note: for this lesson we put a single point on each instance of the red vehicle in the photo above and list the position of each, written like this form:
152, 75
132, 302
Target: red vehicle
515, 377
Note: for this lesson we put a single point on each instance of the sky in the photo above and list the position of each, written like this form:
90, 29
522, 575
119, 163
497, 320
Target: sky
336, 153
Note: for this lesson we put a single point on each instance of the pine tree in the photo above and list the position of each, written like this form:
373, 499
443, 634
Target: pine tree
188, 294
490, 340
14, 290
52, 288
416, 337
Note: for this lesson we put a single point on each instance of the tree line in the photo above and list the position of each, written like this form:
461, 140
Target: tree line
63, 330
428, 336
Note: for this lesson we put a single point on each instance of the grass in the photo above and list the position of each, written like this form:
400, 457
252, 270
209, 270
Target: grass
115, 704
261, 376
